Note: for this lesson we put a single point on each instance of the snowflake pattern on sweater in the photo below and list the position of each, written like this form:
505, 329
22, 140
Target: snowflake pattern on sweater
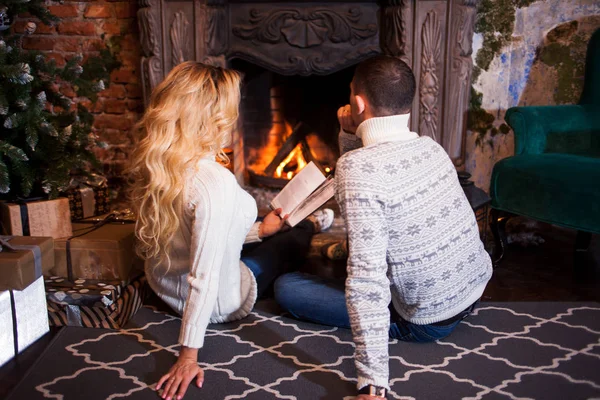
413, 241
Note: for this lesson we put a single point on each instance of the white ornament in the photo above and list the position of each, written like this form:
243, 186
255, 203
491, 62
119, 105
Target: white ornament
41, 98
99, 86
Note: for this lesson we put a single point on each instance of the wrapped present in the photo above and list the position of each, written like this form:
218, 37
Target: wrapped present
112, 316
23, 259
82, 292
88, 196
37, 218
97, 252
24, 319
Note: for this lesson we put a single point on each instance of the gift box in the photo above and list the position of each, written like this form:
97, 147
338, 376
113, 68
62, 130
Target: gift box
23, 317
50, 218
23, 260
82, 292
88, 195
105, 252
85, 201
111, 316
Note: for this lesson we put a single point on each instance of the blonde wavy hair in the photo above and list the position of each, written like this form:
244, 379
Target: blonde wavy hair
191, 115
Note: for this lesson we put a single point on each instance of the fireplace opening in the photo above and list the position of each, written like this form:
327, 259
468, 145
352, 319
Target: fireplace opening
289, 121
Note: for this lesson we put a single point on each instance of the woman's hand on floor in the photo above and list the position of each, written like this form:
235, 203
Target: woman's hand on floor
271, 224
179, 377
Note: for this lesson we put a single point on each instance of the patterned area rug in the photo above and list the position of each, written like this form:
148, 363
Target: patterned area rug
504, 350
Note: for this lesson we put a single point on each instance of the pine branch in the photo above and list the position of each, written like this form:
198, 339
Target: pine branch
4, 178
31, 136
44, 138
12, 152
36, 7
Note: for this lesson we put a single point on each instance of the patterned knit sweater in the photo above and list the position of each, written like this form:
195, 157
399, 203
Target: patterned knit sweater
413, 237
206, 281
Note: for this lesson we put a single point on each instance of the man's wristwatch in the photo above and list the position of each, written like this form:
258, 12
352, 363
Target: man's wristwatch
372, 390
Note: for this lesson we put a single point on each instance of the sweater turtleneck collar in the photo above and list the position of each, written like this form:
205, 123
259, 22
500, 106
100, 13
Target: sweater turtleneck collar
385, 129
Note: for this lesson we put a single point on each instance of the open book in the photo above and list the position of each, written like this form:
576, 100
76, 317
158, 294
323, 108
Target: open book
306, 192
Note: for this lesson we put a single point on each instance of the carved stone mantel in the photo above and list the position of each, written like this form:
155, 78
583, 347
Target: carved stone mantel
302, 38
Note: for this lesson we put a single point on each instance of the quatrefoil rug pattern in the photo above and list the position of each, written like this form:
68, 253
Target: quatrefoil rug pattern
502, 351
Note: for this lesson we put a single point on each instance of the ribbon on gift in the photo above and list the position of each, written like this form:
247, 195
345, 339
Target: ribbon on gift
13, 309
37, 252
88, 201
89, 180
25, 213
5, 245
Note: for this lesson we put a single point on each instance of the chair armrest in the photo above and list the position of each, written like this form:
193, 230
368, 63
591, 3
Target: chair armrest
532, 124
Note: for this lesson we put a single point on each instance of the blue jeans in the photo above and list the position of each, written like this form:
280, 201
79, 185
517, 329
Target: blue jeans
278, 254
322, 300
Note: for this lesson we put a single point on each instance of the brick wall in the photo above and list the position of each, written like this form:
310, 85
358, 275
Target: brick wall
80, 30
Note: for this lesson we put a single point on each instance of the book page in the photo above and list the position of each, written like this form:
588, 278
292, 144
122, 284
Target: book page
314, 201
298, 189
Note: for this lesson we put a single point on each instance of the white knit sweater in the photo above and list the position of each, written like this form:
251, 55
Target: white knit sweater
206, 281
413, 237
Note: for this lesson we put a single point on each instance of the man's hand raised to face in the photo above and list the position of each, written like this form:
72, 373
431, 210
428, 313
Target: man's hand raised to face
344, 115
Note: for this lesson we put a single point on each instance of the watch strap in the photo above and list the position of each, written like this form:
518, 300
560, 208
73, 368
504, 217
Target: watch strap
373, 390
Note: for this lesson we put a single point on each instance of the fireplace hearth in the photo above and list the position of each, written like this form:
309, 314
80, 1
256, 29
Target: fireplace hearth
295, 54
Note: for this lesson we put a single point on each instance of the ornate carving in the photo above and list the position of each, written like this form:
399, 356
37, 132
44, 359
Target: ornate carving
216, 28
301, 63
429, 85
460, 80
467, 24
215, 61
393, 35
179, 34
304, 28
151, 65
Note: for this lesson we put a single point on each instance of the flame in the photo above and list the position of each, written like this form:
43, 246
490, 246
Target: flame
327, 169
296, 155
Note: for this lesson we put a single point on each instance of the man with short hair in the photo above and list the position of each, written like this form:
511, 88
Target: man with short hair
416, 265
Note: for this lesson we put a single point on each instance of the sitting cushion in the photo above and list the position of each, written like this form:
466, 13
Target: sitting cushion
562, 189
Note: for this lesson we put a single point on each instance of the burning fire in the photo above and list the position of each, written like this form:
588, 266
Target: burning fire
295, 155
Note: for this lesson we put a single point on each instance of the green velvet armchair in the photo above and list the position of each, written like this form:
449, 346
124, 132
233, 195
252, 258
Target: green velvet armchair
554, 175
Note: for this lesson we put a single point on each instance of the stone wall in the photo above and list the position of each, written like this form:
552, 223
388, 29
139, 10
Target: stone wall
80, 31
537, 60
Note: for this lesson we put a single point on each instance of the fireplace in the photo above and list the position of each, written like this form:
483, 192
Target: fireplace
298, 59
289, 121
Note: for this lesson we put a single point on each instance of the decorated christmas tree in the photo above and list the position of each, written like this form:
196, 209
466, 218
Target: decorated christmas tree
44, 136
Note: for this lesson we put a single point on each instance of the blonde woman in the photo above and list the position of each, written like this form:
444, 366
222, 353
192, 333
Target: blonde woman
194, 218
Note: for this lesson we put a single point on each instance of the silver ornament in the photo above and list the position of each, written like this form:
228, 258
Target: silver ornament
4, 20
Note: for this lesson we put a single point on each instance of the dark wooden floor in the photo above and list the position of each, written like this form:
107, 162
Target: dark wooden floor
536, 273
